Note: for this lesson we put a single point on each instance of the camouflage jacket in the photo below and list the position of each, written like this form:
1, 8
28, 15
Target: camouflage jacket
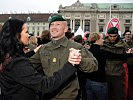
115, 67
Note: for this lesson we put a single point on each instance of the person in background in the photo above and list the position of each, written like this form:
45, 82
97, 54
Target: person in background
115, 69
32, 47
18, 79
81, 78
56, 53
32, 42
96, 85
0, 27
44, 38
128, 39
69, 35
86, 35
86, 42
79, 39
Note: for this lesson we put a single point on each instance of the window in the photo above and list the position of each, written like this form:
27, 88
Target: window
115, 6
43, 28
37, 28
87, 25
127, 21
68, 22
77, 24
101, 28
37, 33
101, 20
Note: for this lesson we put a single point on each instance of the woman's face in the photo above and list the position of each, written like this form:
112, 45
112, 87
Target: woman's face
24, 38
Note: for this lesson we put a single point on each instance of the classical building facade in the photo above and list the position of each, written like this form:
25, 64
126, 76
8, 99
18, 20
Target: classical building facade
36, 22
94, 17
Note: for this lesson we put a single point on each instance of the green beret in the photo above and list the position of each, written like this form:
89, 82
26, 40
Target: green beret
113, 30
56, 18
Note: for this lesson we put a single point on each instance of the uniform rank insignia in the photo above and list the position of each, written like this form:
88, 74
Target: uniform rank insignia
54, 60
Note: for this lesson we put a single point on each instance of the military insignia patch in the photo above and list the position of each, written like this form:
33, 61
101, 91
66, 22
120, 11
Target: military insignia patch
54, 60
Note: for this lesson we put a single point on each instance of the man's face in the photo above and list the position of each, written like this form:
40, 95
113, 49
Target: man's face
113, 37
128, 36
58, 29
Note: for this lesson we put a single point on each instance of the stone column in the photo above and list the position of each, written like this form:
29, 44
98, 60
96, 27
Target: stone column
74, 24
81, 23
84, 25
71, 26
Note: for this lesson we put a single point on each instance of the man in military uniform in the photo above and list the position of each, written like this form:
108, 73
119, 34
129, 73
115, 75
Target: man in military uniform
55, 53
114, 68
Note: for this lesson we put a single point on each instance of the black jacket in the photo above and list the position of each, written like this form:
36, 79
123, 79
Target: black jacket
20, 81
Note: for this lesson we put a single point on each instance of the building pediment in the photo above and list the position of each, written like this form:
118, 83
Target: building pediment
77, 4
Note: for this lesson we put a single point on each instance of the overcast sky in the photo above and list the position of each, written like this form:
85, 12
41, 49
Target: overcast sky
44, 6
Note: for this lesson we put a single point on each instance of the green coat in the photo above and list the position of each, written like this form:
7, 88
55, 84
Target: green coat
115, 67
53, 56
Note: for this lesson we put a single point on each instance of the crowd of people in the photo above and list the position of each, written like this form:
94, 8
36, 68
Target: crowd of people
60, 66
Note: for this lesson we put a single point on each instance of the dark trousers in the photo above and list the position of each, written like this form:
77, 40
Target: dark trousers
96, 90
82, 81
130, 88
0, 97
116, 88
0, 94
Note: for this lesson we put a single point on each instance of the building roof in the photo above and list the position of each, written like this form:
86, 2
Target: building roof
27, 17
78, 6
107, 5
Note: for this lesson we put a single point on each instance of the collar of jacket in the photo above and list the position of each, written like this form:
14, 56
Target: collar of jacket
61, 42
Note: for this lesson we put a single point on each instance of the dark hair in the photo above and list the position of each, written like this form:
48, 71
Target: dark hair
126, 32
68, 35
45, 34
10, 39
78, 39
87, 35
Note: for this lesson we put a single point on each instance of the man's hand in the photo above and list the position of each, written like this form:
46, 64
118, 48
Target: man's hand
74, 56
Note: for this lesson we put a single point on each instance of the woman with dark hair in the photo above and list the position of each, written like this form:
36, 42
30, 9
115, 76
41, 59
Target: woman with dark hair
18, 79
